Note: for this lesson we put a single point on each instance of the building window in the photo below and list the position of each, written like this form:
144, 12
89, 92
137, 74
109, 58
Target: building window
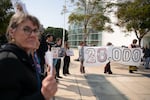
94, 36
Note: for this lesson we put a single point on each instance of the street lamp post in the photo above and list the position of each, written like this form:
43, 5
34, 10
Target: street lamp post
64, 12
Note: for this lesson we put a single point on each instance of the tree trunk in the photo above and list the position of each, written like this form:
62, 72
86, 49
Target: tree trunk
139, 41
85, 32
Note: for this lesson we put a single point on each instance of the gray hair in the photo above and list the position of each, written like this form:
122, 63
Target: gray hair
19, 18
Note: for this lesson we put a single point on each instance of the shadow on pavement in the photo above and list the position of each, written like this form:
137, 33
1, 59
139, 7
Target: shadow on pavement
62, 98
141, 70
75, 87
103, 89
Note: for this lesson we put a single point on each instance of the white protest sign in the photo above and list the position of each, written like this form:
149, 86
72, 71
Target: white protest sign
49, 60
55, 50
69, 52
58, 52
96, 56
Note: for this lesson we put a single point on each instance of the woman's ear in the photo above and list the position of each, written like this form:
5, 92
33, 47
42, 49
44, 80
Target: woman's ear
11, 32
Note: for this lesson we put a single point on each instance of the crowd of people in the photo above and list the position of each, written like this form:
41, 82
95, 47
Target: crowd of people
48, 44
23, 60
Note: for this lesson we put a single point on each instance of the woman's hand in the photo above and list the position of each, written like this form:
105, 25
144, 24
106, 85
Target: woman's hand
49, 86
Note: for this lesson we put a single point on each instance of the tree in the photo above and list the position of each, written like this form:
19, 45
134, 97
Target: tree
90, 13
135, 16
57, 32
6, 11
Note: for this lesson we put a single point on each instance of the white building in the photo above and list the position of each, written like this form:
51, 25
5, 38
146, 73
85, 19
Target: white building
119, 37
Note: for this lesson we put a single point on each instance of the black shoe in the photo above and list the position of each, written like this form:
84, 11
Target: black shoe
64, 74
57, 80
68, 73
130, 71
59, 77
76, 60
109, 72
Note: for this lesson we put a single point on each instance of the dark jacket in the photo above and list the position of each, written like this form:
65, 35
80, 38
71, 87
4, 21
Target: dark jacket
41, 52
146, 52
17, 75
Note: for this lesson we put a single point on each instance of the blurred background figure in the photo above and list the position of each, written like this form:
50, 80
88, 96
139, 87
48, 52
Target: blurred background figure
133, 45
146, 51
81, 57
58, 62
66, 60
79, 47
107, 68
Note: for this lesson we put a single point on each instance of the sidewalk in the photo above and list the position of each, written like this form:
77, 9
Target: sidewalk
95, 85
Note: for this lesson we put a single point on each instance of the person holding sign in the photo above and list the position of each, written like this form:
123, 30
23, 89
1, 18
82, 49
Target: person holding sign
81, 57
107, 66
49, 40
58, 62
133, 45
66, 60
45, 45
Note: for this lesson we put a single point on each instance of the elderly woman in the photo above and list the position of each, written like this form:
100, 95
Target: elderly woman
19, 79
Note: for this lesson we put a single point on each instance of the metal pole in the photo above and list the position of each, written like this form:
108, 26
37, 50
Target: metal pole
64, 25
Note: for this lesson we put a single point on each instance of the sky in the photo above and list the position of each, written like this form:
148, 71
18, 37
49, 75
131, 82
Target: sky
48, 12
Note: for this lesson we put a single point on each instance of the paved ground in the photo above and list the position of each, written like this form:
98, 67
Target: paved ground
95, 85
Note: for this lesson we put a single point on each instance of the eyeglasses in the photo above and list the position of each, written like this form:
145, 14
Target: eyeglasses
27, 30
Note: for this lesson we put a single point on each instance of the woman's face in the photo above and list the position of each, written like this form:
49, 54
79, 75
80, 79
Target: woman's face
50, 39
59, 42
26, 35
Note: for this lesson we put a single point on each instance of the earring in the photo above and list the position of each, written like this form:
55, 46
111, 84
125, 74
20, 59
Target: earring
12, 40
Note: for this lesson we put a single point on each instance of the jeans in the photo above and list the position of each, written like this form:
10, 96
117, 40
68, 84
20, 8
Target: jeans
54, 62
147, 60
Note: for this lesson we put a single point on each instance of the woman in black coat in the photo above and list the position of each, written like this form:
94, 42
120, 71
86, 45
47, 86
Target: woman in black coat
19, 77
